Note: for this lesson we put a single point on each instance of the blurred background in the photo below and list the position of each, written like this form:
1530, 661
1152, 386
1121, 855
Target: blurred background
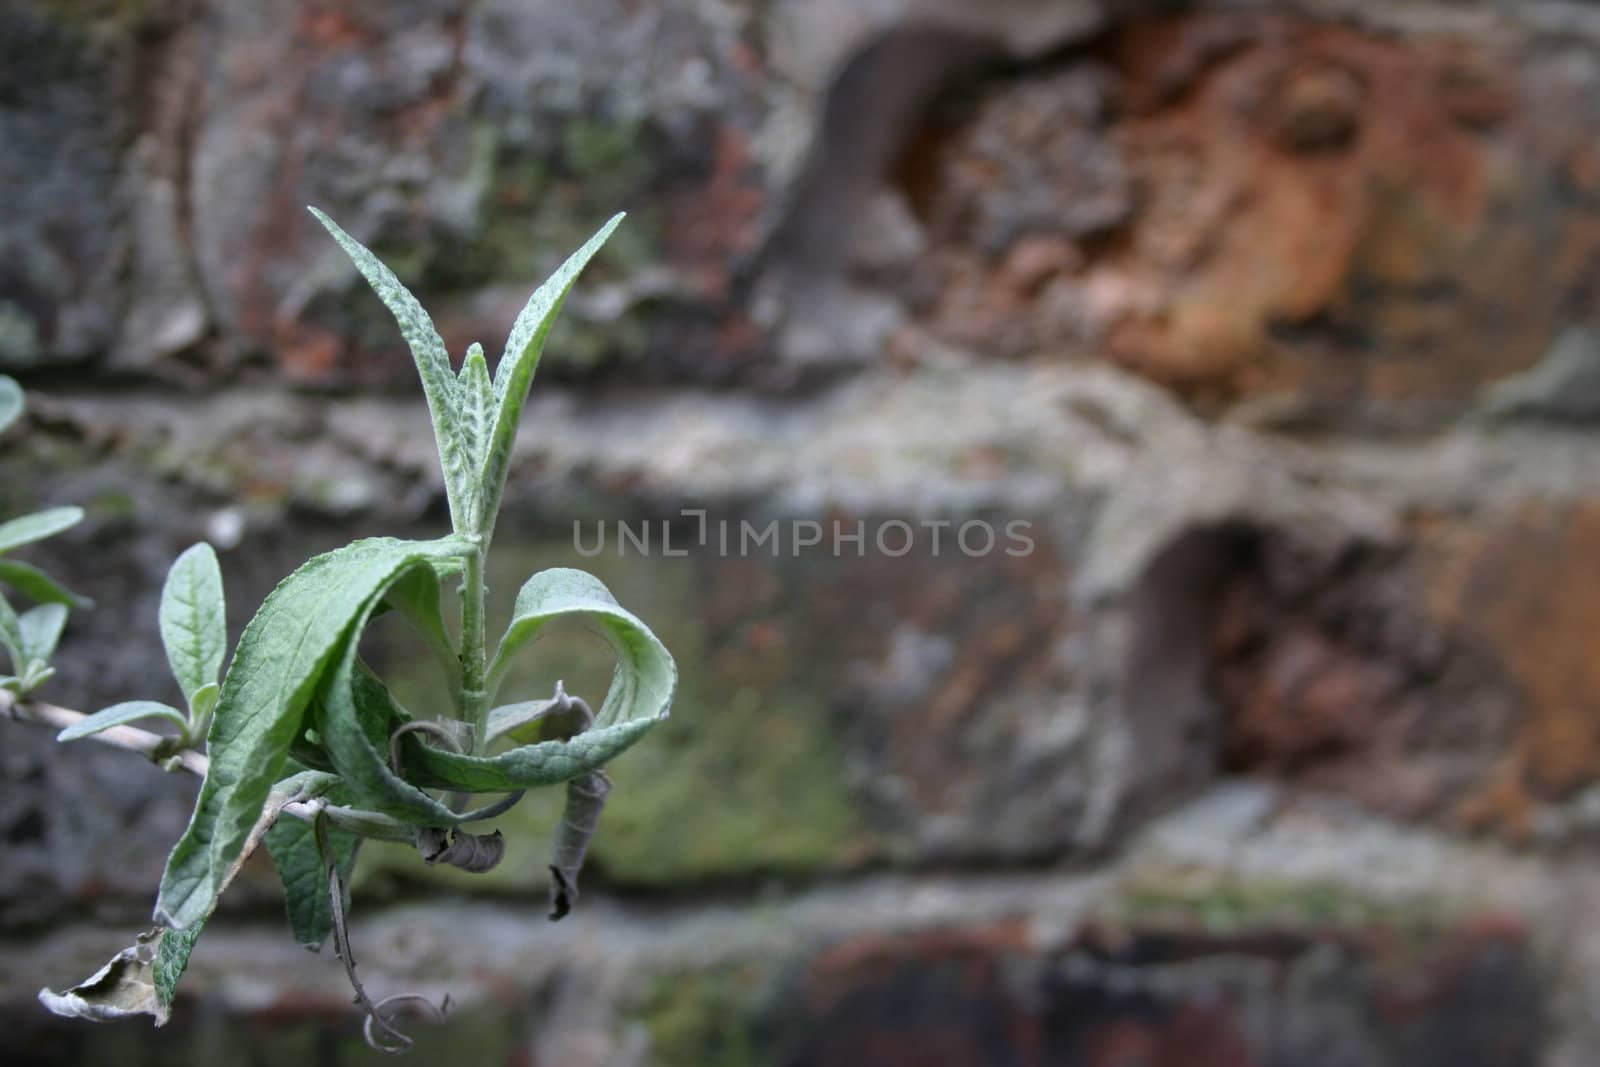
1274, 323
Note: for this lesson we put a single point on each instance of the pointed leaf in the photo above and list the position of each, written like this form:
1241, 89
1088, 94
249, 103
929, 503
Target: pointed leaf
204, 701
172, 959
121, 714
10, 401
38, 673
194, 626
38, 586
41, 631
293, 846
510, 720
514, 374
38, 526
433, 366
475, 395
276, 669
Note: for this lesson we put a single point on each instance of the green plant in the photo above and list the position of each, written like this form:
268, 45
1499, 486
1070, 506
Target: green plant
30, 638
307, 751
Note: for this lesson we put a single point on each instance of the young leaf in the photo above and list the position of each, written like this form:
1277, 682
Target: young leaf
38, 586
10, 401
514, 374
41, 631
475, 395
521, 721
433, 365
11, 637
280, 662
193, 620
118, 715
38, 673
204, 701
38, 526
293, 846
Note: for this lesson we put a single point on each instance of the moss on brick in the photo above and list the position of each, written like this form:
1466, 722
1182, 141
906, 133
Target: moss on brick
1223, 904
705, 1019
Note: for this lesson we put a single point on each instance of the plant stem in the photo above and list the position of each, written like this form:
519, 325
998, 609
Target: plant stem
129, 737
474, 703
149, 745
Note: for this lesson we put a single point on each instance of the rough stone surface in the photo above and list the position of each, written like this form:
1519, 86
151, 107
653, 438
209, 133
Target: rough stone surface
1330, 219
1238, 926
1274, 323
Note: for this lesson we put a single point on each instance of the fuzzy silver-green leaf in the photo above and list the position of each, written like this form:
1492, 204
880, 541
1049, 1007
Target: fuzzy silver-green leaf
119, 715
38, 586
41, 630
10, 401
304, 872
279, 664
193, 619
37, 526
456, 454
641, 692
514, 374
11, 637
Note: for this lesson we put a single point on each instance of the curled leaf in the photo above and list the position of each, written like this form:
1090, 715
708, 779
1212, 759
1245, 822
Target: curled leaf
641, 692
563, 715
139, 980
473, 853
586, 798
355, 718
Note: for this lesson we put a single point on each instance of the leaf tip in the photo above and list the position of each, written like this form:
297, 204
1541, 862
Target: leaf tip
322, 217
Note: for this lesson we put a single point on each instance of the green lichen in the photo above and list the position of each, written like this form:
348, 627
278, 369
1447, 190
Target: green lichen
745, 785
1224, 904
705, 1019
